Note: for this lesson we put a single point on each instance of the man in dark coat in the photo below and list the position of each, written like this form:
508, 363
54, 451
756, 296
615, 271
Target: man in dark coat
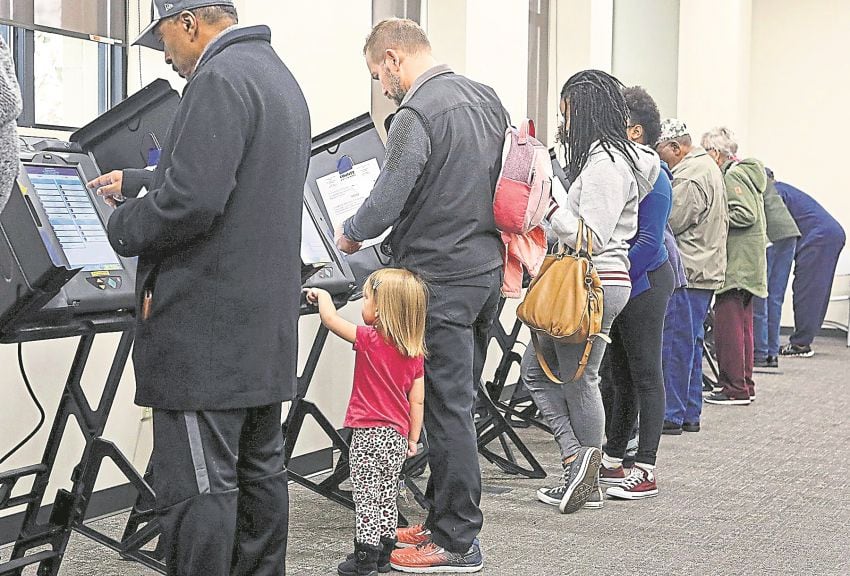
218, 284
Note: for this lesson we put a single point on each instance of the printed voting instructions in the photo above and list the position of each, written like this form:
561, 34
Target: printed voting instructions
344, 193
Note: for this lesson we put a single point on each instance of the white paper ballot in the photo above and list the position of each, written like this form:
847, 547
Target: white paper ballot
343, 194
313, 250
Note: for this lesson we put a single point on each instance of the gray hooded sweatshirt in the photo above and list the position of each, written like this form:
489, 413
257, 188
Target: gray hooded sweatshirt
606, 195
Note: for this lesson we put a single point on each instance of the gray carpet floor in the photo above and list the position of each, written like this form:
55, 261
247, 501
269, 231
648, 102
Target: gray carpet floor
762, 489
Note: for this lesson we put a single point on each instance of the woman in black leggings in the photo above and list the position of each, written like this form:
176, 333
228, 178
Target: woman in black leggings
635, 350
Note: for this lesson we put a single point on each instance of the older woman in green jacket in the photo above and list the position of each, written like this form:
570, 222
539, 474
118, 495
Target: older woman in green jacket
746, 268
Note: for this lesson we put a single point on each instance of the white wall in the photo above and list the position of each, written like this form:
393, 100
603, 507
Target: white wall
646, 47
580, 37
486, 40
714, 63
798, 97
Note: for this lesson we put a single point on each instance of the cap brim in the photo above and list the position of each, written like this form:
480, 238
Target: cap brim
148, 39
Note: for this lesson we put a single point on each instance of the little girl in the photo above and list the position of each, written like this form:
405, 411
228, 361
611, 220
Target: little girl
385, 409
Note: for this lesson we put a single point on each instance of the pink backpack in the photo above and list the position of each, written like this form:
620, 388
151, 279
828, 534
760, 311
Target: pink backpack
525, 182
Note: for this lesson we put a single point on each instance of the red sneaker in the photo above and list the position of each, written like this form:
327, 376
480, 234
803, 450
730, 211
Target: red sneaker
430, 558
639, 484
412, 536
611, 476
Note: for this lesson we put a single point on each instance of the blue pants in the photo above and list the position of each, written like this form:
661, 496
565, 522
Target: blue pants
814, 269
767, 311
682, 353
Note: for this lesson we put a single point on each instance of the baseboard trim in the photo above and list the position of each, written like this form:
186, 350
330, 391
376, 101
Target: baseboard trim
103, 502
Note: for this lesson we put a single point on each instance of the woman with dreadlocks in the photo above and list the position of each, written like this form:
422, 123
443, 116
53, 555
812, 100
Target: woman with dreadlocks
604, 168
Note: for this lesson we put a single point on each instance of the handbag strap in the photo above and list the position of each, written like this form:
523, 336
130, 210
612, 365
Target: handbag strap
582, 364
584, 239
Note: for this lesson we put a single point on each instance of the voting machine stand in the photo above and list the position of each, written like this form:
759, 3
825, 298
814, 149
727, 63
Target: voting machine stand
59, 278
519, 408
49, 292
340, 149
70, 505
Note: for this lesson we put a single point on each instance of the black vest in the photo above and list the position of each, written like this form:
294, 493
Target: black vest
446, 230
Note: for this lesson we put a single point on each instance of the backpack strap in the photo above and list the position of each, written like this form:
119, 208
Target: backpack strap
526, 129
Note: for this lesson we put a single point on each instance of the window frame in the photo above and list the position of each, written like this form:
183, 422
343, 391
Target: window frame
111, 64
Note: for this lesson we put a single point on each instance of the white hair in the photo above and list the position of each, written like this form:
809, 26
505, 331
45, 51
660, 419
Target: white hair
721, 139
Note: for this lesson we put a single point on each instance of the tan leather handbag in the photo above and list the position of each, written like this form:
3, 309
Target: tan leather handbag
564, 301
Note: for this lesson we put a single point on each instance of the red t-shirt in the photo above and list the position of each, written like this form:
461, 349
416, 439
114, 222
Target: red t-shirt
383, 377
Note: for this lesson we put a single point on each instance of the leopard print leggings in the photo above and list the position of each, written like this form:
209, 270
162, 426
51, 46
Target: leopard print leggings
376, 456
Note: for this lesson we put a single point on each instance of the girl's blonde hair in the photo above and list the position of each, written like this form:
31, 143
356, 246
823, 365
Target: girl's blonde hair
401, 298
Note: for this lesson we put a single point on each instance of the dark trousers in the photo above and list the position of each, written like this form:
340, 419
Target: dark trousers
221, 491
458, 322
684, 333
767, 311
733, 343
637, 378
814, 270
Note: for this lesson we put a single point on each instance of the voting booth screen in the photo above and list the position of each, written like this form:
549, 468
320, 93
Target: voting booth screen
342, 171
55, 256
71, 215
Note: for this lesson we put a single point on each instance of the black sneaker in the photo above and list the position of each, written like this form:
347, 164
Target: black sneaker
552, 495
796, 351
690, 426
722, 399
596, 500
580, 478
769, 362
671, 428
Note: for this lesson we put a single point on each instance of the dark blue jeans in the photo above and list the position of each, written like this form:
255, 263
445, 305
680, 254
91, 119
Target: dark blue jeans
767, 311
682, 353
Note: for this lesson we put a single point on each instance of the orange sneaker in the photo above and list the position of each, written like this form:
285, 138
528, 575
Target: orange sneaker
429, 558
412, 536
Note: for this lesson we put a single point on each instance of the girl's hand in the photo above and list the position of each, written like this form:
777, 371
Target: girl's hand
412, 447
313, 294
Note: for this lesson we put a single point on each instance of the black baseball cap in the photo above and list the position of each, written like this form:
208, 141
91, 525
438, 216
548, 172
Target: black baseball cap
161, 9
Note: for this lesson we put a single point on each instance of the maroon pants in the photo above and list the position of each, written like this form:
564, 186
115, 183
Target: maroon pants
733, 342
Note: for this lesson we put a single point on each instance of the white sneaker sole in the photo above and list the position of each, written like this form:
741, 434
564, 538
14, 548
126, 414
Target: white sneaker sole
437, 569
611, 481
625, 495
730, 402
577, 494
